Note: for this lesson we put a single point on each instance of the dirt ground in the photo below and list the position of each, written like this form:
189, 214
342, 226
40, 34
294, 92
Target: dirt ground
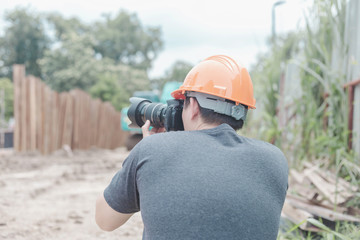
53, 197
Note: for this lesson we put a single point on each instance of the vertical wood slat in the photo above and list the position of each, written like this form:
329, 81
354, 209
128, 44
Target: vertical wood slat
39, 118
23, 118
46, 120
98, 132
89, 129
32, 113
79, 114
55, 126
75, 137
18, 74
61, 123
94, 120
67, 135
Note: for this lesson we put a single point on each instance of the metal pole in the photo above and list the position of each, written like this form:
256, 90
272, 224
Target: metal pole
273, 18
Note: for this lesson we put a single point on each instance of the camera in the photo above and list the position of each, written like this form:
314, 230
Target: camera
160, 115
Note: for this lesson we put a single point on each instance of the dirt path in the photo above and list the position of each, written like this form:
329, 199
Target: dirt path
54, 197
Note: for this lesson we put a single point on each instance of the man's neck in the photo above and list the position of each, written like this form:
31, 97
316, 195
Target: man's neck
200, 125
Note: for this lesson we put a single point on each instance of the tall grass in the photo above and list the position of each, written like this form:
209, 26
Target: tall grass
319, 130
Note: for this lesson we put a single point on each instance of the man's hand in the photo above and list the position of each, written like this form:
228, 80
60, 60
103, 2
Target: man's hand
146, 132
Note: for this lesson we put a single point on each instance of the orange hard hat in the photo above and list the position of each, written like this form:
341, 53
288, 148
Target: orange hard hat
220, 76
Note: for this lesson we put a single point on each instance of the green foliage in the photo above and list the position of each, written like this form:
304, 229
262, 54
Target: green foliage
266, 75
24, 42
7, 86
116, 84
346, 231
72, 65
71, 54
124, 39
63, 27
176, 73
324, 102
109, 89
319, 129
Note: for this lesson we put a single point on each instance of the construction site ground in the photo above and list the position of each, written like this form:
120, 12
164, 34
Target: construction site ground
53, 197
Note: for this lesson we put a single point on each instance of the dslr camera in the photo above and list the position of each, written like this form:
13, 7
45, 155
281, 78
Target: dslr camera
160, 115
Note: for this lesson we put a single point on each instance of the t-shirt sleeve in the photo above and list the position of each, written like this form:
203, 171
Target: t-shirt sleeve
122, 194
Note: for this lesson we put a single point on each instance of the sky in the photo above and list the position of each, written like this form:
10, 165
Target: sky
192, 30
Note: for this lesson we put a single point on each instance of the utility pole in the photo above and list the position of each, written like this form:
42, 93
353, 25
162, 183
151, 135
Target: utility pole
278, 3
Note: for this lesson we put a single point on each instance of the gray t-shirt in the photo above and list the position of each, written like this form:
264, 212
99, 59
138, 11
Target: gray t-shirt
206, 184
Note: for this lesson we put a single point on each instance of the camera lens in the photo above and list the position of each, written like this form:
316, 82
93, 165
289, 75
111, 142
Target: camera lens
142, 109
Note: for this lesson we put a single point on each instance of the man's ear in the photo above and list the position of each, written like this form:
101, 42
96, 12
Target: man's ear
195, 110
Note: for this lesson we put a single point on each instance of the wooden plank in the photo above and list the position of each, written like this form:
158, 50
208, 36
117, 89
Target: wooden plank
297, 216
89, 129
47, 119
101, 123
75, 137
95, 106
18, 75
23, 119
87, 122
80, 125
333, 179
55, 121
101, 129
42, 106
32, 112
298, 177
61, 125
327, 189
108, 129
68, 132
306, 191
322, 212
119, 133
28, 115
332, 207
84, 121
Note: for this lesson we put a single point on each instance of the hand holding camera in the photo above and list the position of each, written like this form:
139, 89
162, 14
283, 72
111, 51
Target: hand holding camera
160, 115
146, 129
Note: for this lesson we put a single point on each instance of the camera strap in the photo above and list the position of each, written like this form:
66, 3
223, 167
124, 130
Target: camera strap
219, 105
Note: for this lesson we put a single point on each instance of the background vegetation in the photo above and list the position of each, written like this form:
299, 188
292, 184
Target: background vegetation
109, 58
318, 126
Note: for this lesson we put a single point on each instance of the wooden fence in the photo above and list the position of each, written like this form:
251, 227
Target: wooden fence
46, 120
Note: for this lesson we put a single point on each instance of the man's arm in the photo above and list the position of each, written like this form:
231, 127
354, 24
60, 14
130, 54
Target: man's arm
107, 218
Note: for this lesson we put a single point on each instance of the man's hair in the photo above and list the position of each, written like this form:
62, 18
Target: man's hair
210, 117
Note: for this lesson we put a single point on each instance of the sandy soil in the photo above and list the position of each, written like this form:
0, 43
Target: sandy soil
53, 197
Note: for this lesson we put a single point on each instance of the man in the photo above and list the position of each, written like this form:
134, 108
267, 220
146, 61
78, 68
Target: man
206, 182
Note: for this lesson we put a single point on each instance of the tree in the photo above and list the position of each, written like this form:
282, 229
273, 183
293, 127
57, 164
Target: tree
126, 41
177, 72
65, 26
71, 65
24, 42
108, 89
7, 85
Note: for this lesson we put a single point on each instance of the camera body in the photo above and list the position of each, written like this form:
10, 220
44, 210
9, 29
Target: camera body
160, 115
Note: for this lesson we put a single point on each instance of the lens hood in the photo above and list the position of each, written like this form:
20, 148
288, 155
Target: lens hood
134, 112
